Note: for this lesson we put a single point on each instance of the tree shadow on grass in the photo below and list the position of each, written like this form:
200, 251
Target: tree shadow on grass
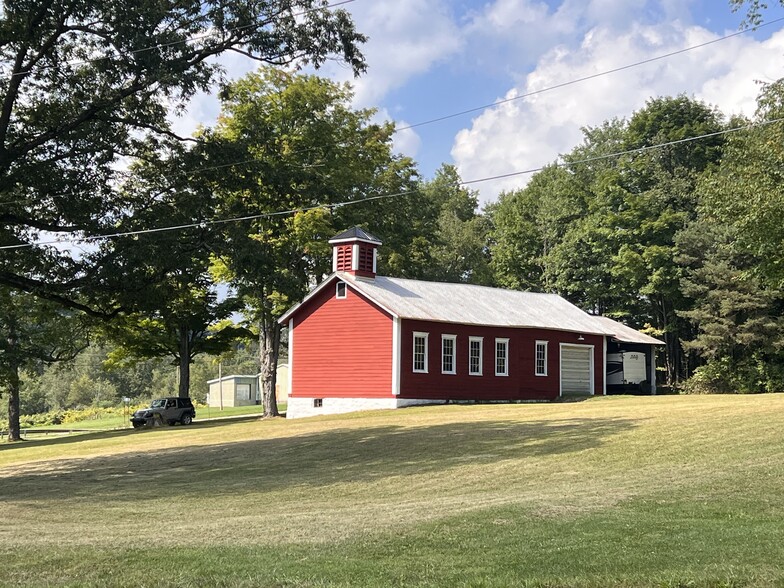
58, 438
304, 461
34, 438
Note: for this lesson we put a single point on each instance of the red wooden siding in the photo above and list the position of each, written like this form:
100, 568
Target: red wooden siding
520, 384
342, 347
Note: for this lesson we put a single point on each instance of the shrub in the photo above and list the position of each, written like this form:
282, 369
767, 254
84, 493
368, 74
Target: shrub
723, 376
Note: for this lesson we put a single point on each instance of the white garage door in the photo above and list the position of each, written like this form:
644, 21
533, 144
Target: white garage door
576, 370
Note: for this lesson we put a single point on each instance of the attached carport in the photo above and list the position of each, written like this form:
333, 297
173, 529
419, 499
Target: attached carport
627, 339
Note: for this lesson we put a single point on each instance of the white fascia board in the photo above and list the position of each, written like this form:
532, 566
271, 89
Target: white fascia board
290, 374
396, 352
352, 240
356, 284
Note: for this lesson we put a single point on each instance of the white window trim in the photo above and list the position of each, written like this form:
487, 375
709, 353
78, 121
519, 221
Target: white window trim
506, 357
452, 338
413, 349
481, 355
337, 290
536, 358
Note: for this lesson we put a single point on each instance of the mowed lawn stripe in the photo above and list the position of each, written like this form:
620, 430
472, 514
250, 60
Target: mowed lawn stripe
618, 491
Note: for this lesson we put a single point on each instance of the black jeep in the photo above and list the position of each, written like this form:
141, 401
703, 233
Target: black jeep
170, 410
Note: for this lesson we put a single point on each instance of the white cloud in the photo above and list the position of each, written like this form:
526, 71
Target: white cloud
405, 141
203, 109
407, 38
532, 131
507, 34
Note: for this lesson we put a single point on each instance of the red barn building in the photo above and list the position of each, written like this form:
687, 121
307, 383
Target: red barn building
359, 341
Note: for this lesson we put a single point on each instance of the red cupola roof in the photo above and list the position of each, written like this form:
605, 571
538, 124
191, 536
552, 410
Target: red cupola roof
355, 252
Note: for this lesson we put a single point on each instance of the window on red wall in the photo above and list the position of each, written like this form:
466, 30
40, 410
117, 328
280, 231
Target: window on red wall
541, 358
448, 354
420, 352
475, 356
502, 357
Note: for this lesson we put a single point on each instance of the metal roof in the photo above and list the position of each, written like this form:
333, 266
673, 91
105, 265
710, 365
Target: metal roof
355, 233
475, 305
627, 334
468, 304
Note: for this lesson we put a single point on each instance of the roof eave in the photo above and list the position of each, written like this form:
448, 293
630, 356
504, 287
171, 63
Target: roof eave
353, 240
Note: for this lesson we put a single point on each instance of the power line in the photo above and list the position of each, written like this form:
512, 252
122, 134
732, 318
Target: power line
175, 43
498, 102
477, 108
584, 78
205, 224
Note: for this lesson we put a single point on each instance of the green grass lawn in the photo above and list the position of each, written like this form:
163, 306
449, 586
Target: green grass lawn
672, 491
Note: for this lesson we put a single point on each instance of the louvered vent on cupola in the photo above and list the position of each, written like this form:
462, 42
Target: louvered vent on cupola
355, 252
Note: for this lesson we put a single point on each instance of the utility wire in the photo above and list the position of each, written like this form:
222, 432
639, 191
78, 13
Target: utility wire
506, 100
205, 224
585, 78
477, 108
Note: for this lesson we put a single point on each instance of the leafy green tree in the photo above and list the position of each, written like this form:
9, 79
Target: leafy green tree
746, 192
739, 332
754, 10
305, 149
47, 387
528, 226
169, 300
87, 81
34, 331
452, 235
600, 230
659, 198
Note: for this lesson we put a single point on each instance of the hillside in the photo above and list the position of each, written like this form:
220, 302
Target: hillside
620, 491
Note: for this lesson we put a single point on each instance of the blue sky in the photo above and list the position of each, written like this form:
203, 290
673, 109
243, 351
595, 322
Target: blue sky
430, 58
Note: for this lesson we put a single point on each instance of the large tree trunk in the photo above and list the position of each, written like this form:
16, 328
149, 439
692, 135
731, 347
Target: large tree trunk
14, 431
269, 340
185, 363
675, 357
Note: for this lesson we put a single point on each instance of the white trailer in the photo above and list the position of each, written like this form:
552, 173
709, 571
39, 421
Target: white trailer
626, 368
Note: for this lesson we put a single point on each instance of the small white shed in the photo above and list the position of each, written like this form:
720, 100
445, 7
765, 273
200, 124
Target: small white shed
240, 390
282, 383
233, 391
